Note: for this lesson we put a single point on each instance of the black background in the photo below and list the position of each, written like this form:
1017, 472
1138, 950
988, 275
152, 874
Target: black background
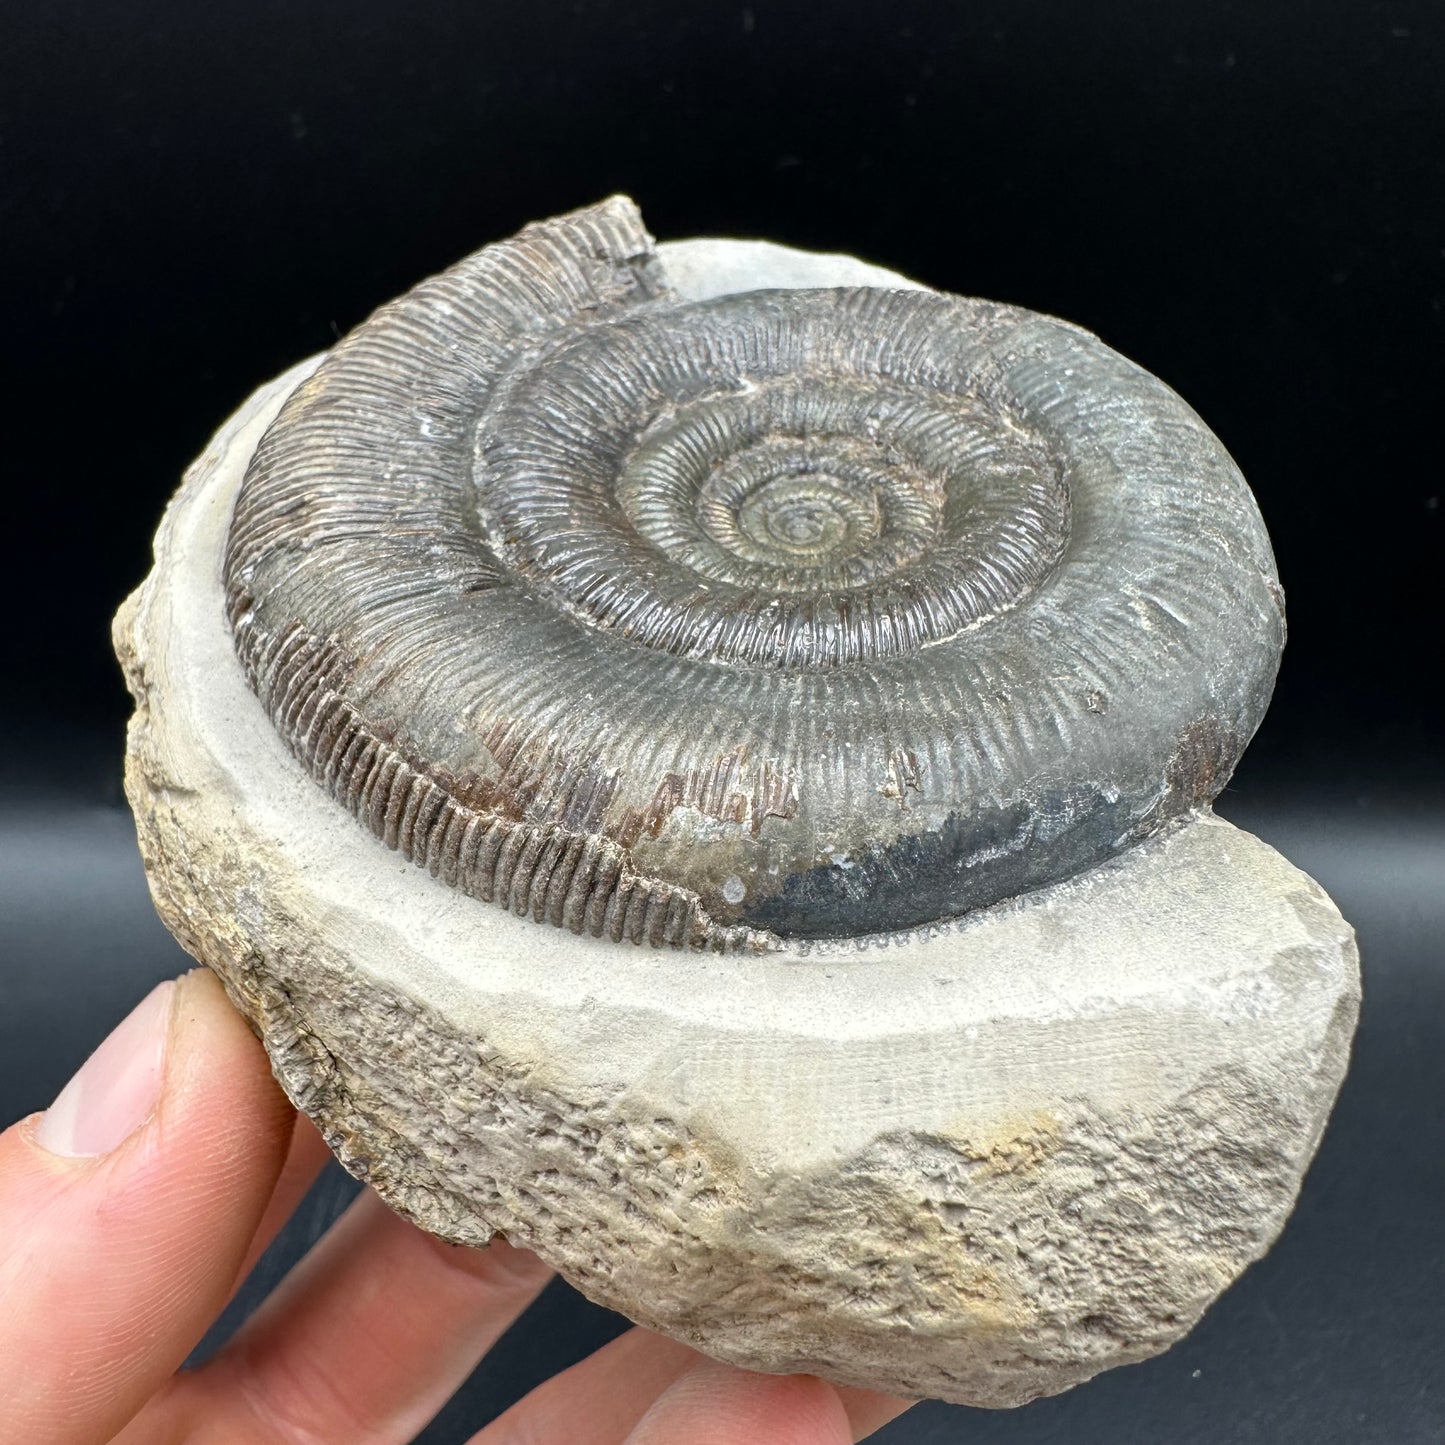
1246, 198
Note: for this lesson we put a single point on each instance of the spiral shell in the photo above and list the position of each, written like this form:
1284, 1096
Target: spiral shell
800, 613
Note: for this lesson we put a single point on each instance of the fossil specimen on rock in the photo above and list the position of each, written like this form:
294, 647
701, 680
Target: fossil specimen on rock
788, 612
882, 648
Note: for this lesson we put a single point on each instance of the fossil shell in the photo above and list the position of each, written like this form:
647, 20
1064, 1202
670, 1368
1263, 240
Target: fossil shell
785, 614
982, 1161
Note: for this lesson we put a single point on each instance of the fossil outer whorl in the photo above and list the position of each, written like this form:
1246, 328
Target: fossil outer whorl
702, 622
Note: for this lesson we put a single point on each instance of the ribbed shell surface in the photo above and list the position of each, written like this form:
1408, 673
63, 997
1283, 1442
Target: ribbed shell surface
805, 613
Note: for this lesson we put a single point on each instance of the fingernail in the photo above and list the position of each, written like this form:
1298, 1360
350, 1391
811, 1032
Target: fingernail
118, 1086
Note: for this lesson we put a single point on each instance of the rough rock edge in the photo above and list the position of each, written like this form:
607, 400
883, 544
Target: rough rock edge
589, 1187
562, 1169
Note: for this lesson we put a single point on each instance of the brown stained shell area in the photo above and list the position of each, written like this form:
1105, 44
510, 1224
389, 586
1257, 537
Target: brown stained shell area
782, 614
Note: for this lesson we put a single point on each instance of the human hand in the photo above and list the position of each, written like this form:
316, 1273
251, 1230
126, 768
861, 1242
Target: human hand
132, 1209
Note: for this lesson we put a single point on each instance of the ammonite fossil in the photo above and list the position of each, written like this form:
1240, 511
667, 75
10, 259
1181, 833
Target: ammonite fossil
793, 613
829, 679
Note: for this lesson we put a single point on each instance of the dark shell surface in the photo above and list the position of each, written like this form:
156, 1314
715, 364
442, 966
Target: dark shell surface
798, 614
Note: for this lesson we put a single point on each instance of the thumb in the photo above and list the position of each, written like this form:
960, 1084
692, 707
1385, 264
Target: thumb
127, 1208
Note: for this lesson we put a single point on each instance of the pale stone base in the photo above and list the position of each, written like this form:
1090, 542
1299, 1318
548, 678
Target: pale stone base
982, 1165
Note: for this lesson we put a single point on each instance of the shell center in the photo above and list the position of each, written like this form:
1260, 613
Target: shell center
804, 514
794, 514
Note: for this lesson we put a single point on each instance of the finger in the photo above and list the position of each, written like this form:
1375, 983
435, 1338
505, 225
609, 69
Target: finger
599, 1399
361, 1343
306, 1155
126, 1211
868, 1410
714, 1404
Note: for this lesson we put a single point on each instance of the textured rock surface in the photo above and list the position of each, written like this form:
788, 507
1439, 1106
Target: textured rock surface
981, 1164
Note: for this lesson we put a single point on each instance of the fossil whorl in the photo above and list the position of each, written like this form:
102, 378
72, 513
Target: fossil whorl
782, 613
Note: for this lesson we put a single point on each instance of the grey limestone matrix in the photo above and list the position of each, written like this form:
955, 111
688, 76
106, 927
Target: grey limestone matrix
698, 757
